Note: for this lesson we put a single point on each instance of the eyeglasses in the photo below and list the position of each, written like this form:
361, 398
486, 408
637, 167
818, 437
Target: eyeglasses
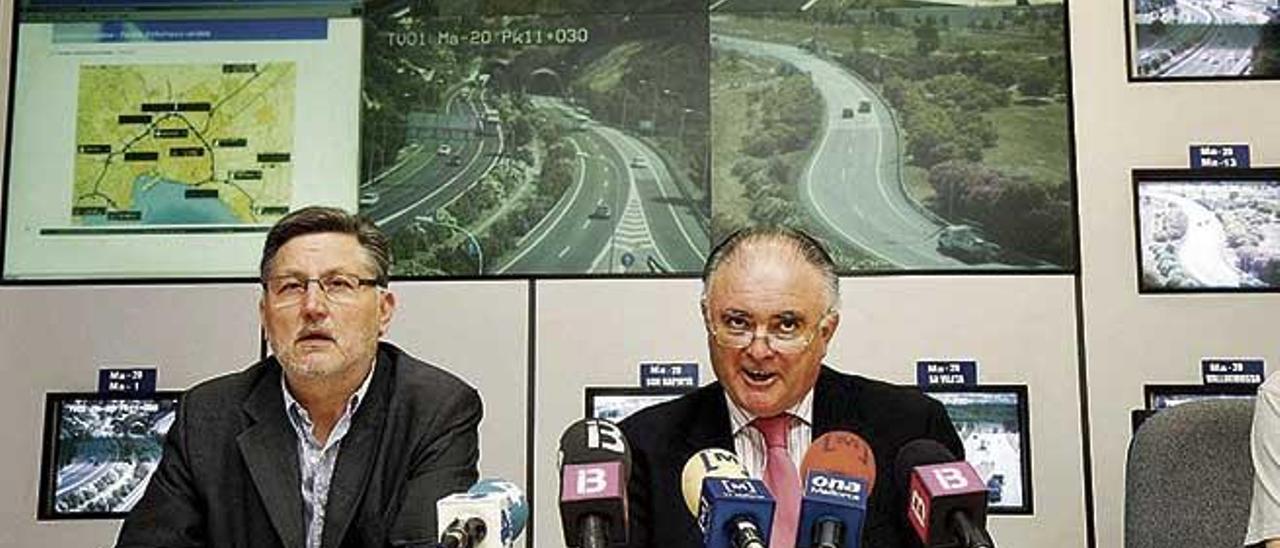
784, 335
338, 288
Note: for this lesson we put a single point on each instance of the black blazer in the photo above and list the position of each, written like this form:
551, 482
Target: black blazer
665, 436
229, 476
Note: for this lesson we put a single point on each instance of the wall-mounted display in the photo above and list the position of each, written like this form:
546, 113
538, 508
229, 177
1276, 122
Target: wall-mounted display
568, 138
614, 403
1161, 396
537, 144
1207, 230
162, 143
1202, 39
910, 136
99, 451
993, 424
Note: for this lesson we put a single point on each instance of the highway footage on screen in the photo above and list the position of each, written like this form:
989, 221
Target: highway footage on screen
990, 426
1199, 234
183, 144
910, 137
105, 452
1171, 39
537, 144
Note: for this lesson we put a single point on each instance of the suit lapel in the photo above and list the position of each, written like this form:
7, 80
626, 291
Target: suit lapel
270, 451
710, 427
834, 405
356, 454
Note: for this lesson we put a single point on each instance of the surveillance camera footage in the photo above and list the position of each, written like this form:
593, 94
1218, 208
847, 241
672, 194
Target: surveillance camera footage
1209, 234
991, 430
106, 451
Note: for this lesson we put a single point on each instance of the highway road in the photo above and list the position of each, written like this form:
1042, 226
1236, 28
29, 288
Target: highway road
852, 182
1202, 253
424, 180
1205, 37
644, 222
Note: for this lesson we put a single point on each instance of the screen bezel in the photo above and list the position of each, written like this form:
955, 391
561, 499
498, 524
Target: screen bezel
1140, 176
45, 510
1020, 391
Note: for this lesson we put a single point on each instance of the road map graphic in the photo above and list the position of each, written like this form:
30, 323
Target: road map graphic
184, 143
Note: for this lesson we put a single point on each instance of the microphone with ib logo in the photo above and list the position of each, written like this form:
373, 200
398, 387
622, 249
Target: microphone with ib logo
595, 465
733, 510
946, 500
839, 470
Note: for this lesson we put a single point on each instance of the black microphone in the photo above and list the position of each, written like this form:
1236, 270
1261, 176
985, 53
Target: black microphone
946, 499
595, 465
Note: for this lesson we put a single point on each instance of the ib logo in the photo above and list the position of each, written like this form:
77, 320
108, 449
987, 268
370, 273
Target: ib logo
592, 481
950, 478
919, 513
605, 435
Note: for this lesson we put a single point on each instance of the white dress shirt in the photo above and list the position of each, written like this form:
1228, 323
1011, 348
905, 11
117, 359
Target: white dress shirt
749, 444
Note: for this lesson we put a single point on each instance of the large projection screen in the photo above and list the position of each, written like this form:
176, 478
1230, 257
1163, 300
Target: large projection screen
162, 143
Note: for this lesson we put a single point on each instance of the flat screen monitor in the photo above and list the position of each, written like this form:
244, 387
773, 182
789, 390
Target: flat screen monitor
159, 140
100, 451
1207, 230
993, 424
1209, 40
1163, 396
614, 403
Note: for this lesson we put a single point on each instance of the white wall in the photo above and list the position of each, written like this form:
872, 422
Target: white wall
1021, 329
1130, 339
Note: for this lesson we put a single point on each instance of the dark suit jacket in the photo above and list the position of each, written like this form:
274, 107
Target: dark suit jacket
229, 476
665, 436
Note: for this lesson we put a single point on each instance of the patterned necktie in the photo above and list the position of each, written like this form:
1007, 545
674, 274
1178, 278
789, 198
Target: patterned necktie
781, 478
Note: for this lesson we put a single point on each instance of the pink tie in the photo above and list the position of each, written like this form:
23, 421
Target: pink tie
781, 478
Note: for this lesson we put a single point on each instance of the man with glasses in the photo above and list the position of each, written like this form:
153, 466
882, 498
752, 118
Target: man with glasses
337, 439
770, 305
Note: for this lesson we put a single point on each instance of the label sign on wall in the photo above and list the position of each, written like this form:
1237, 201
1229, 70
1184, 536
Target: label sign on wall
669, 375
1219, 156
1248, 371
946, 373
138, 381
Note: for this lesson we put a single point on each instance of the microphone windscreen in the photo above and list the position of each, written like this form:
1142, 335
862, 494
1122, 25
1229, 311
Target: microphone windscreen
843, 453
515, 509
921, 452
707, 463
594, 440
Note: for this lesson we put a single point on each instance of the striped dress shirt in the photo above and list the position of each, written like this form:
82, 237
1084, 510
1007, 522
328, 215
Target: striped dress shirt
748, 442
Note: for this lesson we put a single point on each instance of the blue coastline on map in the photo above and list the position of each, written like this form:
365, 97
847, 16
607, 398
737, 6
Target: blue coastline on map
164, 202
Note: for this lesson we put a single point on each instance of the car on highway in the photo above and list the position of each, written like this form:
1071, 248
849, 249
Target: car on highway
444, 150
369, 198
455, 160
847, 113
864, 106
995, 488
639, 162
602, 212
968, 244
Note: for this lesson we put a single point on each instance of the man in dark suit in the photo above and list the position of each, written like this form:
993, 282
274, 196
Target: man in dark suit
335, 441
771, 306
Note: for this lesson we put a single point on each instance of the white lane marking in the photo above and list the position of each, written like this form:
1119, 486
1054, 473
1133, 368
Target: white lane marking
577, 189
655, 161
563, 252
586, 223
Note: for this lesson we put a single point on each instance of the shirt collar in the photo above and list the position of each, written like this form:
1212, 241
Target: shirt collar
292, 407
739, 418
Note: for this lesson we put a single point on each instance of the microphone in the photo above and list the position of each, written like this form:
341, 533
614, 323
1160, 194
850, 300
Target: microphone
733, 510
489, 515
840, 471
947, 501
595, 465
